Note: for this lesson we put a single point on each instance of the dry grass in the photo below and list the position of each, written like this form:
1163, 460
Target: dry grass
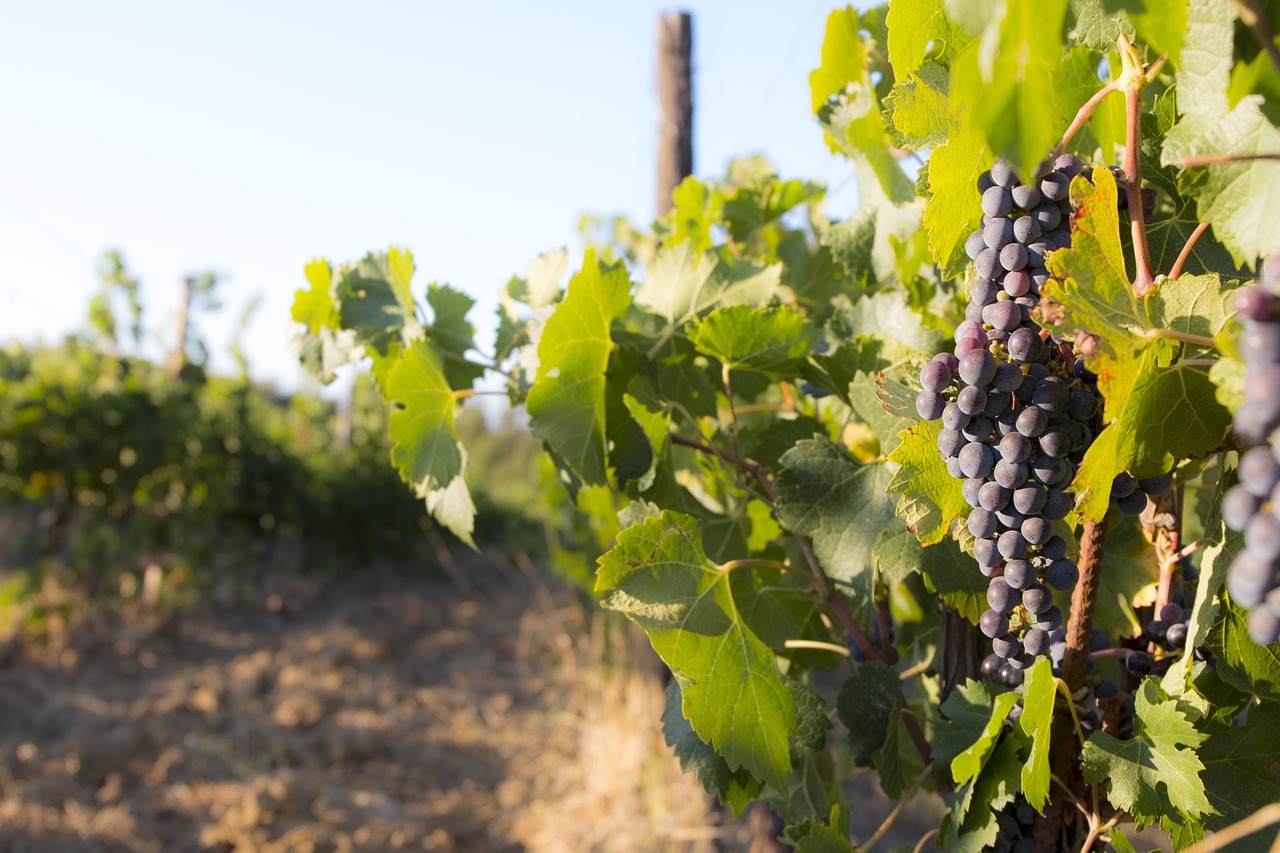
380, 712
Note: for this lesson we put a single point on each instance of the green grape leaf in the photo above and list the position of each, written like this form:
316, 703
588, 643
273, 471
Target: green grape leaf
374, 301
1036, 723
732, 693
1157, 771
762, 200
930, 497
681, 284
452, 333
425, 447
967, 716
848, 105
897, 398
1004, 85
1235, 197
948, 570
1240, 764
812, 723
567, 401
831, 837
824, 493
772, 340
970, 761
886, 314
322, 353
314, 307
922, 114
1221, 548
767, 445
734, 788
865, 705
897, 761
976, 804
1160, 25
1241, 661
813, 788
400, 276
1155, 410
920, 29
694, 210
864, 399
954, 208
540, 288
1158, 413
1129, 565
1097, 27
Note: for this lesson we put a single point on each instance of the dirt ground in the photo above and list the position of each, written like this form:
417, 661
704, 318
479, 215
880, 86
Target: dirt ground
384, 711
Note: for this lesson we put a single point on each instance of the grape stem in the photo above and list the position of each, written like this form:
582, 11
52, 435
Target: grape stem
816, 644
1261, 819
1186, 250
1083, 115
1200, 160
1185, 337
1134, 78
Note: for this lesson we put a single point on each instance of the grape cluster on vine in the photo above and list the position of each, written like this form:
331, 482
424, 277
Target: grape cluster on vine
1017, 418
1252, 507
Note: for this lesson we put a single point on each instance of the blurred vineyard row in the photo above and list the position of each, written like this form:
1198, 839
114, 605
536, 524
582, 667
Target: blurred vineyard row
112, 466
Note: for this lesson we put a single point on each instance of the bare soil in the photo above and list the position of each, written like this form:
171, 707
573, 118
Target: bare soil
378, 712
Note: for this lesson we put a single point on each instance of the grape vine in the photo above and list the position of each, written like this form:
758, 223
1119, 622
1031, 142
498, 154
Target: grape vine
1012, 392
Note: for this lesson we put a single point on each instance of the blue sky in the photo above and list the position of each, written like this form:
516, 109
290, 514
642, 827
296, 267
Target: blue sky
249, 137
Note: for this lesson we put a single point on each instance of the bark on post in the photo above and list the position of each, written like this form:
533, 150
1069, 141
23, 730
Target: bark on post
675, 105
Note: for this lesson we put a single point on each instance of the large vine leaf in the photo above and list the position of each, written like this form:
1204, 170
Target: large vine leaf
374, 301
954, 208
453, 333
773, 340
865, 705
732, 693
824, 493
1036, 723
682, 283
734, 788
425, 447
1003, 83
930, 497
1237, 198
1156, 410
1243, 663
567, 401
967, 716
1240, 773
314, 307
920, 29
846, 102
976, 803
1157, 771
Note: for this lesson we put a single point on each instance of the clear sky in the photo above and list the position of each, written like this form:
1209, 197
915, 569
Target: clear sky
249, 137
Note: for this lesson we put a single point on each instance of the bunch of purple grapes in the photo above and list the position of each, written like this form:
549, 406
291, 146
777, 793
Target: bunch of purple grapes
1252, 506
1017, 418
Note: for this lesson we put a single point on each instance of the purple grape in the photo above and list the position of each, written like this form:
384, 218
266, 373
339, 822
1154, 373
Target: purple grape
930, 405
935, 377
1062, 575
993, 623
1054, 186
997, 201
